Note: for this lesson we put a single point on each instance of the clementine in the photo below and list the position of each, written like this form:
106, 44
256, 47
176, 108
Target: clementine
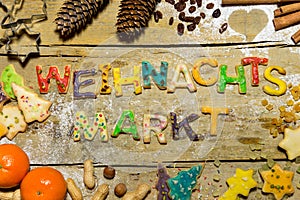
14, 165
43, 183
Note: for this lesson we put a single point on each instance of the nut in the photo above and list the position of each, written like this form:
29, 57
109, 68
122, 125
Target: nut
88, 175
120, 190
109, 172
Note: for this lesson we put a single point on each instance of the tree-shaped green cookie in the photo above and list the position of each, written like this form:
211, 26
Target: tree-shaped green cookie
182, 185
9, 76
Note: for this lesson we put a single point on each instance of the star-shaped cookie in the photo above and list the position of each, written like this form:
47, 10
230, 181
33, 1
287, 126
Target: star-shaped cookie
290, 143
242, 182
277, 181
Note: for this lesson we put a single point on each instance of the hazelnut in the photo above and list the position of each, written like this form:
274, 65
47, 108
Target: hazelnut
120, 190
109, 172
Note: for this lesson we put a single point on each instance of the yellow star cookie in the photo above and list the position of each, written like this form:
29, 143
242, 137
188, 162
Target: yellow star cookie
241, 183
277, 181
290, 143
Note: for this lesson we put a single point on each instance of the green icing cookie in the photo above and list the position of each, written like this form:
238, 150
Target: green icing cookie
182, 185
8, 76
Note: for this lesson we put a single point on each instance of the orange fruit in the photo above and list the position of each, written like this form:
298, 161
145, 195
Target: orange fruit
14, 165
43, 183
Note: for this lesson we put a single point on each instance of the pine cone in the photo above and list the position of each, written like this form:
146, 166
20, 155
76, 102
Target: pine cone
134, 15
75, 14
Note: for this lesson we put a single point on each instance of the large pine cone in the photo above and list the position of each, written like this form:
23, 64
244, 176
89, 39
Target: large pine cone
134, 15
75, 14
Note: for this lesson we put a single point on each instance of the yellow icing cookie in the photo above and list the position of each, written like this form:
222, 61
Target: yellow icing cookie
277, 182
241, 183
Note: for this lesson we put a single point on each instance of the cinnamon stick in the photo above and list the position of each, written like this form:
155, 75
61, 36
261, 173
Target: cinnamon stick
286, 21
283, 10
253, 2
296, 37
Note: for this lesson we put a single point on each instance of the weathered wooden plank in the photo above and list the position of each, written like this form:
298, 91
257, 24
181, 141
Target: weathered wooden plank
246, 24
243, 139
207, 187
247, 124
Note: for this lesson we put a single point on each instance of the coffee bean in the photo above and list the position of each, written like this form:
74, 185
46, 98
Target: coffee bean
179, 6
180, 29
210, 6
191, 27
181, 16
199, 3
223, 28
202, 15
189, 19
216, 13
156, 18
192, 2
192, 9
172, 2
160, 15
197, 20
171, 20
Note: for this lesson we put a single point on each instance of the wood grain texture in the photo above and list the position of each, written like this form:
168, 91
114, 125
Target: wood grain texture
243, 138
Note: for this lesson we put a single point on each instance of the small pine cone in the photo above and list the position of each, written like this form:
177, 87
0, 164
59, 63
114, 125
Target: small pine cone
134, 15
75, 14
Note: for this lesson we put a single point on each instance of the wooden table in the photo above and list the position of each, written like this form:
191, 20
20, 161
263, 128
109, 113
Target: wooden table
250, 33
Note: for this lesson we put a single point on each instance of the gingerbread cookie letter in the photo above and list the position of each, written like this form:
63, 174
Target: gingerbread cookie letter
282, 87
159, 78
135, 80
157, 128
90, 130
196, 72
214, 116
131, 128
105, 88
53, 73
78, 84
175, 83
240, 79
254, 61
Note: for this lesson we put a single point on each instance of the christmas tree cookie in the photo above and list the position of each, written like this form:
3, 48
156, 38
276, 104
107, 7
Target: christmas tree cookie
182, 185
32, 106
